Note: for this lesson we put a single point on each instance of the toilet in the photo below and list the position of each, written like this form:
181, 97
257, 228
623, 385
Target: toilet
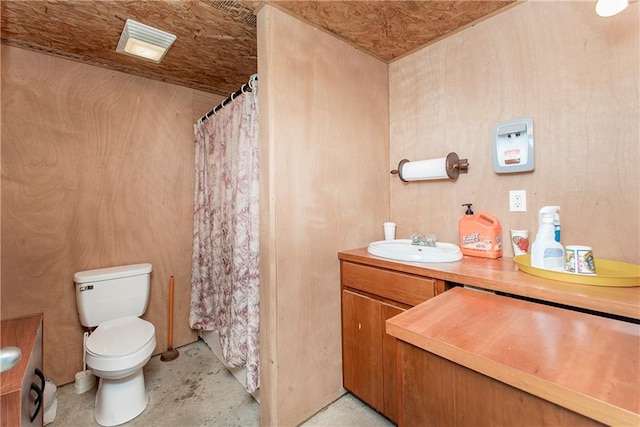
111, 300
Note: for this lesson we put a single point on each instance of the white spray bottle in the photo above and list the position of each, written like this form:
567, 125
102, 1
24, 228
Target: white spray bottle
546, 252
553, 211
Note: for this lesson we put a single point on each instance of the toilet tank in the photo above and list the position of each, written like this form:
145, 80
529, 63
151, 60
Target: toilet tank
111, 293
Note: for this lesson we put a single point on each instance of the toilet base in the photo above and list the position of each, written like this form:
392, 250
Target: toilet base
120, 400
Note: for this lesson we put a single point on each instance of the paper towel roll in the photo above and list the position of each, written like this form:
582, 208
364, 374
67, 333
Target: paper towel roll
425, 169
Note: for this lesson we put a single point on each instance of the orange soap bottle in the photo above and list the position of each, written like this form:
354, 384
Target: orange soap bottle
480, 235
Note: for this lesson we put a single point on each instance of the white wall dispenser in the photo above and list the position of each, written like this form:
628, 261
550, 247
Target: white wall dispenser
513, 146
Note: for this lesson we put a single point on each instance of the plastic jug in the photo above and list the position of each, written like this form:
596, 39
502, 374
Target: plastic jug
480, 234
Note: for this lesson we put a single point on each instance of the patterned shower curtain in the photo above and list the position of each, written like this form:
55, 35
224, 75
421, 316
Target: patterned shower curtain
225, 275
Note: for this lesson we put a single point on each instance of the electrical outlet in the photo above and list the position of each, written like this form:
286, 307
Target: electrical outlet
517, 201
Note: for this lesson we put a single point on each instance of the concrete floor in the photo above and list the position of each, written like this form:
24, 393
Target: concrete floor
197, 390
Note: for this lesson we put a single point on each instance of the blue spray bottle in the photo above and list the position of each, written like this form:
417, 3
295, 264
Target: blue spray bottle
556, 224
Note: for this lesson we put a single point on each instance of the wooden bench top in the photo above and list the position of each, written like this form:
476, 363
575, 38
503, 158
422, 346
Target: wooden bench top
586, 363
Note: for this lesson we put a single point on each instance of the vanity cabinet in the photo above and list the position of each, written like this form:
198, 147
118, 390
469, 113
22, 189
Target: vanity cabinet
370, 296
22, 387
523, 342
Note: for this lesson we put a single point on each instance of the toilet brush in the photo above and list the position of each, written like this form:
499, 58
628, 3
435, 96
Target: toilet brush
171, 352
85, 380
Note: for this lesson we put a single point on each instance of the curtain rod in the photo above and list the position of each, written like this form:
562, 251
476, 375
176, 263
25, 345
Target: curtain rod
248, 86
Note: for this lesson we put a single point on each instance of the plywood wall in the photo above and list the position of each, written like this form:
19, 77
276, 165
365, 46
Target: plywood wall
575, 74
324, 188
97, 170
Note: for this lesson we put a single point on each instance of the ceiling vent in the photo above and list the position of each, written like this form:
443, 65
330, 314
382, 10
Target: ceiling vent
144, 41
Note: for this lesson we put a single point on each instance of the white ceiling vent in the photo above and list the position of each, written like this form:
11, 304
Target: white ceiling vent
144, 41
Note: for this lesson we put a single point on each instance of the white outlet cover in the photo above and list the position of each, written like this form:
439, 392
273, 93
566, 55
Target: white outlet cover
517, 201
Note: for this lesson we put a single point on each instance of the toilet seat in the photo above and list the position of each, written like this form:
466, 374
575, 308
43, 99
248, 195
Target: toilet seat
120, 337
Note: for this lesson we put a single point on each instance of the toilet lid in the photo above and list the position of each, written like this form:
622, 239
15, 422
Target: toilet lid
120, 337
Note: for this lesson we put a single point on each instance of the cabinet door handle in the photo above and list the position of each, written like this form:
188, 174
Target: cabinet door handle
40, 375
37, 400
39, 394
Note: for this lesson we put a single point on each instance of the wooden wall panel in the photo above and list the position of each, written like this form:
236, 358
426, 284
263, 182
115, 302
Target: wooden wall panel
203, 102
324, 188
97, 170
576, 74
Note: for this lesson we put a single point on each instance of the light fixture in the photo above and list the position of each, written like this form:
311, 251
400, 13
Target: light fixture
144, 41
606, 8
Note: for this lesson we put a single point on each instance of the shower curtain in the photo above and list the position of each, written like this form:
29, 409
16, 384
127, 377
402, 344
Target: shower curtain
225, 270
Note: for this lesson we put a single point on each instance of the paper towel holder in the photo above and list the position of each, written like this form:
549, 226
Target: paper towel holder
454, 167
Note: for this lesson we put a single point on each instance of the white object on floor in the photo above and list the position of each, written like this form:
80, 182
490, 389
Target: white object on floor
85, 381
50, 414
50, 401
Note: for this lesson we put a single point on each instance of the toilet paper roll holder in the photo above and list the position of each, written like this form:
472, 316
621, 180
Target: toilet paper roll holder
454, 167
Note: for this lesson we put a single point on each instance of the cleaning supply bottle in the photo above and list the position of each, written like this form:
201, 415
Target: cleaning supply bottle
546, 253
480, 235
556, 225
552, 210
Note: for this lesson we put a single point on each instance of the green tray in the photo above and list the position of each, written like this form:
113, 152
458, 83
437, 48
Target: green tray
610, 273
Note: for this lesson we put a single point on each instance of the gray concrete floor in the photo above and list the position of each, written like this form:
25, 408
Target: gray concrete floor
197, 390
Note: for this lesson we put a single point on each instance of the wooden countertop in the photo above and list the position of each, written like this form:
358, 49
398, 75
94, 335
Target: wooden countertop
19, 332
588, 364
502, 274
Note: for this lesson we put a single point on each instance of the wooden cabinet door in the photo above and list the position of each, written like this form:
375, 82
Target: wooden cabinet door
362, 331
389, 362
439, 392
368, 354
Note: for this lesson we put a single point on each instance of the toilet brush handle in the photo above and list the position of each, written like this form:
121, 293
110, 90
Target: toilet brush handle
171, 312
84, 351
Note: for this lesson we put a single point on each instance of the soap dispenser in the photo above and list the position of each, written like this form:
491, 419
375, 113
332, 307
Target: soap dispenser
480, 235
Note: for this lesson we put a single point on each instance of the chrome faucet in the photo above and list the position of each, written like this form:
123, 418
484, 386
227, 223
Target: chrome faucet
420, 240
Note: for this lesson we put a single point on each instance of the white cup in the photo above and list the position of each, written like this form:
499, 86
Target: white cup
389, 230
579, 260
520, 242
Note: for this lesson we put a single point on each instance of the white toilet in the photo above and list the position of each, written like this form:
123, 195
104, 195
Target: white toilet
113, 299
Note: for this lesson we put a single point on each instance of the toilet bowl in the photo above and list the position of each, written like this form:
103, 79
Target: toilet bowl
116, 353
111, 300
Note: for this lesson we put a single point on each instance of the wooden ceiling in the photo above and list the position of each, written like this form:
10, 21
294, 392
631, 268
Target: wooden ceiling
216, 49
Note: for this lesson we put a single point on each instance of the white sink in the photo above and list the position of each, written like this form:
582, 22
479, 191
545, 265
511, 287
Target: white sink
403, 250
